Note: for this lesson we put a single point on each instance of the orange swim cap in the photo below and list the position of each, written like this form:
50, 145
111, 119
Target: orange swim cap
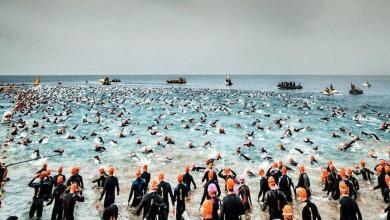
111, 171
74, 187
363, 163
302, 193
287, 210
145, 167
324, 175
154, 184
42, 175
161, 176
342, 172
284, 170
379, 169
227, 171
275, 165
60, 180
261, 172
230, 184
301, 169
187, 169
137, 173
207, 209
101, 170
73, 171
210, 175
349, 172
180, 178
343, 187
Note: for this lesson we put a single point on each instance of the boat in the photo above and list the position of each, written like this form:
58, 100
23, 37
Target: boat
228, 80
105, 81
116, 80
289, 85
7, 117
178, 80
37, 82
354, 90
366, 84
330, 90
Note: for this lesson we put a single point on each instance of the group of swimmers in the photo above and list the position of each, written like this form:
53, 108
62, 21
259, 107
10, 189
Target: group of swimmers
153, 196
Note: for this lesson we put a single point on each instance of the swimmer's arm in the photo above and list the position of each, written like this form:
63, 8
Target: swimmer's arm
79, 198
141, 205
234, 174
117, 186
193, 182
172, 197
219, 190
103, 192
131, 194
358, 212
31, 184
220, 174
249, 196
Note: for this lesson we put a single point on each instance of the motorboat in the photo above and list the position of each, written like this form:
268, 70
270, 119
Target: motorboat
354, 90
37, 82
330, 90
7, 117
228, 80
105, 81
366, 84
116, 80
289, 85
178, 80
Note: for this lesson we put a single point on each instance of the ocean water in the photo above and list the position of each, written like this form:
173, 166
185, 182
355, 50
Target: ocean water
145, 99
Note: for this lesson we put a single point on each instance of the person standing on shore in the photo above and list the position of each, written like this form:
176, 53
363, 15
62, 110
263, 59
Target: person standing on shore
109, 189
349, 209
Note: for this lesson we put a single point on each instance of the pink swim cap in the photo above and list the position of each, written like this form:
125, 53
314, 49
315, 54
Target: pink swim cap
212, 188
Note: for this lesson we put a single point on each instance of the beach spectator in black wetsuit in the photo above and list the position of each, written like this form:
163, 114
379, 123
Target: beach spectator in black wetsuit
366, 173
232, 207
309, 211
165, 191
75, 178
58, 192
152, 203
382, 185
38, 198
69, 201
109, 188
138, 189
228, 174
275, 199
180, 193
303, 181
102, 178
286, 185
349, 209
59, 173
188, 179
206, 174
263, 185
145, 175
205, 191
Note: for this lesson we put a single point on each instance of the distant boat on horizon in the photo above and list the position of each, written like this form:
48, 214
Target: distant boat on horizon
228, 80
178, 80
37, 82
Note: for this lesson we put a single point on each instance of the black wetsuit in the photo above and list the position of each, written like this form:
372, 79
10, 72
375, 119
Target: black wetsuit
310, 211
276, 200
232, 207
111, 211
285, 185
366, 173
75, 179
206, 176
216, 206
245, 195
38, 198
109, 190
383, 186
50, 184
333, 185
263, 188
226, 177
146, 176
275, 173
303, 181
56, 177
205, 191
58, 192
152, 204
188, 179
69, 201
138, 188
164, 189
349, 209
101, 180
355, 182
351, 188
180, 193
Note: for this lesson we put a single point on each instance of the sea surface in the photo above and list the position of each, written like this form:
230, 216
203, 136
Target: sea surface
147, 100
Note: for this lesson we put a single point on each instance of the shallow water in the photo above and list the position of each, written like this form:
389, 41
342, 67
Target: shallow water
143, 105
